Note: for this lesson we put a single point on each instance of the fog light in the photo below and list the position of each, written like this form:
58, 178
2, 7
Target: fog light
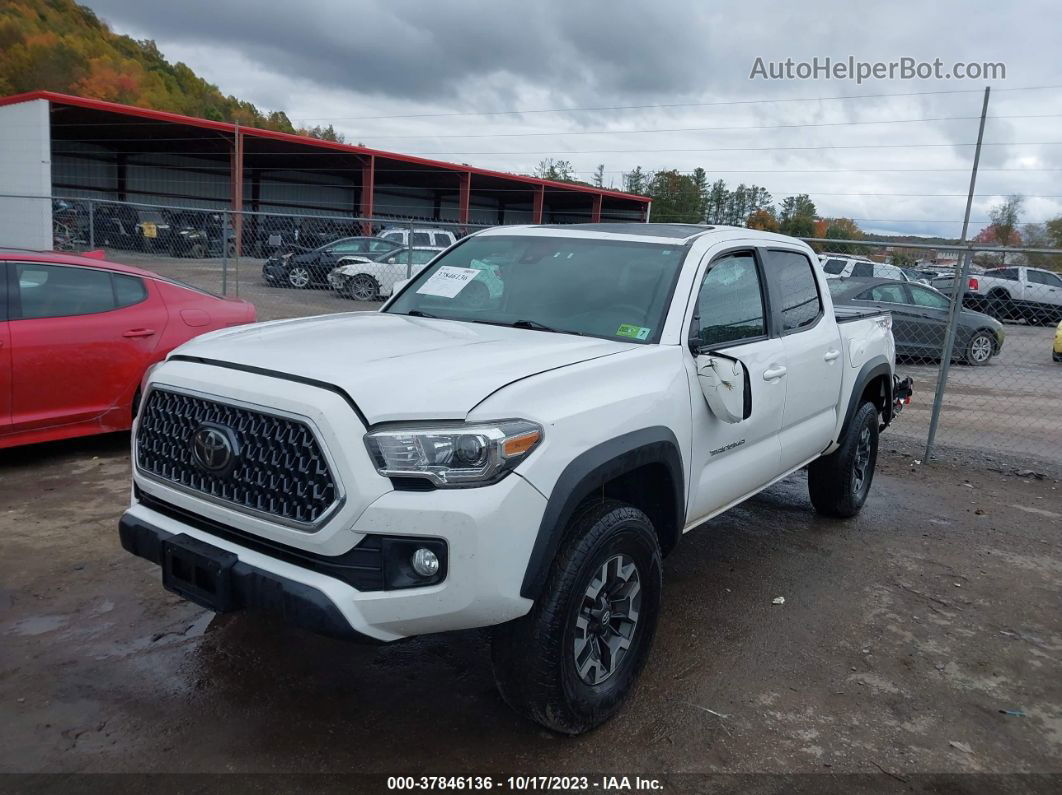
425, 563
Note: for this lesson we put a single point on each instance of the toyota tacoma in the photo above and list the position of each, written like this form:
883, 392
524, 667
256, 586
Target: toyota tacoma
521, 457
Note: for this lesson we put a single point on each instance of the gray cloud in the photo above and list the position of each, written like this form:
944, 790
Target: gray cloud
334, 61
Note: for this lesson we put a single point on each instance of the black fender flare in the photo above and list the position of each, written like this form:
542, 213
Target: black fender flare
874, 368
591, 470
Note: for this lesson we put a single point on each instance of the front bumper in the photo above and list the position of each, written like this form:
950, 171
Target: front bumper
252, 588
488, 534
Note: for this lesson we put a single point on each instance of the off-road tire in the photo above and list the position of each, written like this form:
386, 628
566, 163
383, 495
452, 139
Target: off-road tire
534, 656
832, 479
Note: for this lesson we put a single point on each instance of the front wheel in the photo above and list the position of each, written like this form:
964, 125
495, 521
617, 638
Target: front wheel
838, 483
570, 663
298, 276
362, 287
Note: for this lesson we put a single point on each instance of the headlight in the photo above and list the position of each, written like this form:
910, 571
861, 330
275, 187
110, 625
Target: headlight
453, 455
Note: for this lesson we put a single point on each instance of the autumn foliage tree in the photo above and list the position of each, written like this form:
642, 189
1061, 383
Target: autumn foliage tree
58, 45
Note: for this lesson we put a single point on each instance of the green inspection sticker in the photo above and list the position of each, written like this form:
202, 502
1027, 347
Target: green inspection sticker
635, 332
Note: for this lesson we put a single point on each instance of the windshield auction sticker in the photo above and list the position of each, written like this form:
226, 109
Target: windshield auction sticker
448, 281
634, 332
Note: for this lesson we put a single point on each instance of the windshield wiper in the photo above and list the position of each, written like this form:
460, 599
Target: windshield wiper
418, 313
534, 325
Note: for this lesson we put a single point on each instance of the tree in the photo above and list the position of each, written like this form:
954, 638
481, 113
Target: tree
797, 217
599, 176
1005, 217
675, 197
556, 170
844, 229
716, 203
636, 181
700, 181
1045, 235
763, 219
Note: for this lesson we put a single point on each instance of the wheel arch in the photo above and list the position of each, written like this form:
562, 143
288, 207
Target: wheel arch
873, 383
643, 468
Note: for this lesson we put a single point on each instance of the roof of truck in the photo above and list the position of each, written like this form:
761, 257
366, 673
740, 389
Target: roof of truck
679, 234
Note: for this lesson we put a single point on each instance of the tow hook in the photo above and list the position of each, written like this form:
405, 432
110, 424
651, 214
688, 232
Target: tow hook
902, 389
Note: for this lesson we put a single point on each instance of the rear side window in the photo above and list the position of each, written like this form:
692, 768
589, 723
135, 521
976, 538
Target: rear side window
395, 236
421, 239
888, 293
925, 297
834, 266
863, 270
730, 302
798, 291
128, 290
62, 291
443, 239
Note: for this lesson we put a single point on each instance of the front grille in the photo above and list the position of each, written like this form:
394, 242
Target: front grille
279, 469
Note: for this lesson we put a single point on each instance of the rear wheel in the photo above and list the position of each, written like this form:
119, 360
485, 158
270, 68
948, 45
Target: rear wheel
362, 287
838, 483
980, 349
570, 663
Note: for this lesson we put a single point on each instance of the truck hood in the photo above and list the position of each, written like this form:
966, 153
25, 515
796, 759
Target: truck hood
397, 367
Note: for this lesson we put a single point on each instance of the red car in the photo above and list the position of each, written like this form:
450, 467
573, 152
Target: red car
77, 334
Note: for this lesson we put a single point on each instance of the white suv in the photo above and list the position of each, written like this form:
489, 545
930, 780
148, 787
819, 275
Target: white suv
423, 237
838, 266
516, 439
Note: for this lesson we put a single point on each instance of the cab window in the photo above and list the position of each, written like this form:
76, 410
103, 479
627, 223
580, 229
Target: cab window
798, 291
730, 302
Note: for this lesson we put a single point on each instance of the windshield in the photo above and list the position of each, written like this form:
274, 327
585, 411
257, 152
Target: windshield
602, 288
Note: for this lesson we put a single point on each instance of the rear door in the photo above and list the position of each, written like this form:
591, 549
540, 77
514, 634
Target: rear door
5, 355
81, 339
812, 348
1044, 288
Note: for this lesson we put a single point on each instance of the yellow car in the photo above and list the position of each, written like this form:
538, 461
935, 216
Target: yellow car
1056, 352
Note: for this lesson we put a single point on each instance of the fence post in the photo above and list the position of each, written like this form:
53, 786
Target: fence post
409, 251
92, 224
959, 291
224, 252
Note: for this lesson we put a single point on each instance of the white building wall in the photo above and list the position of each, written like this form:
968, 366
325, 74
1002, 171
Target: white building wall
25, 170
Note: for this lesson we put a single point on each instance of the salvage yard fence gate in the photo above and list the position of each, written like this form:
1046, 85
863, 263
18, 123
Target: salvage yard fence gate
986, 379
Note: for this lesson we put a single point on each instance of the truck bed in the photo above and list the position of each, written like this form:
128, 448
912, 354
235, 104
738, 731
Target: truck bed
848, 314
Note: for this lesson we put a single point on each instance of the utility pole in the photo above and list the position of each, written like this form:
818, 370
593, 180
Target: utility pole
959, 290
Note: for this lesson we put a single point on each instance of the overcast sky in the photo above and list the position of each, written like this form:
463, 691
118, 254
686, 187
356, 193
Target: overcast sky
431, 67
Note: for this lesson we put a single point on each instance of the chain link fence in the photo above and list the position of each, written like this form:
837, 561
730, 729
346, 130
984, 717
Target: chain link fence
288, 265
998, 394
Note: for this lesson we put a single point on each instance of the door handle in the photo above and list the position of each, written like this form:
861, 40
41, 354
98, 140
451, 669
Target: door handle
830, 355
774, 373
139, 332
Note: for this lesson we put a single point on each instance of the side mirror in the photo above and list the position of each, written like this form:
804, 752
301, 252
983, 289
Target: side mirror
391, 261
725, 385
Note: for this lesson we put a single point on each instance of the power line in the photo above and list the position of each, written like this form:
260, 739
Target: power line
727, 103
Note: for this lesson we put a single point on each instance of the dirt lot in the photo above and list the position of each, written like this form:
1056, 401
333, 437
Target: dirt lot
905, 638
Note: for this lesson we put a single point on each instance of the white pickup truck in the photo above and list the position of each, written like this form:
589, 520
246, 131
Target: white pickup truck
1012, 293
520, 457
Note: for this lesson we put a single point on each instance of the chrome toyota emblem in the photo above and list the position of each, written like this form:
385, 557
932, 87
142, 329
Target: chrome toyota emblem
214, 448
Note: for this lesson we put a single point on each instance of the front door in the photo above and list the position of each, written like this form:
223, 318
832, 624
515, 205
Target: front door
812, 349
732, 460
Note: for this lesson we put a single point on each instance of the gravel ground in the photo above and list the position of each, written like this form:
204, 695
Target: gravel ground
906, 636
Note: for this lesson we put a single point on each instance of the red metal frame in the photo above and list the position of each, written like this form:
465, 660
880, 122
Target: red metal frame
465, 197
225, 127
539, 205
368, 188
595, 213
